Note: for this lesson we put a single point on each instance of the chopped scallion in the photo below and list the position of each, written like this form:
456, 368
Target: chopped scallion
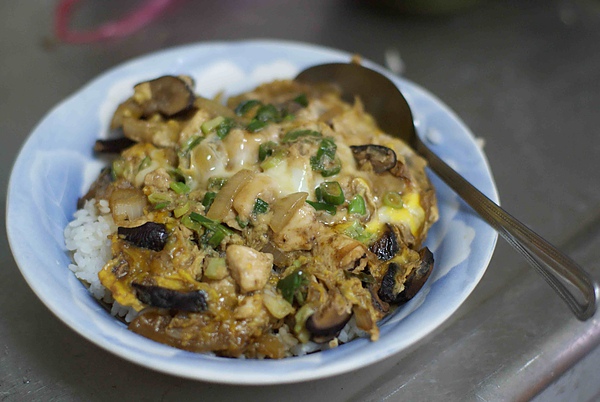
325, 161
268, 113
256, 125
245, 106
294, 135
179, 187
273, 160
215, 231
208, 199
215, 183
145, 163
181, 210
243, 224
357, 205
216, 268
323, 206
393, 200
190, 144
156, 198
161, 205
260, 207
225, 127
302, 100
330, 192
177, 174
291, 286
190, 224
265, 150
212, 124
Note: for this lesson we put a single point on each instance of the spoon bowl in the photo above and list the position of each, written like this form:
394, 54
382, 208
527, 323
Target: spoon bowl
384, 101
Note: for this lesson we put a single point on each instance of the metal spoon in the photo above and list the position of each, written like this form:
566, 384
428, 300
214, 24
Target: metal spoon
385, 102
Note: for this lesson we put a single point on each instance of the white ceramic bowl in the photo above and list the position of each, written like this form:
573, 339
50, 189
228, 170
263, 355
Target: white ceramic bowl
56, 165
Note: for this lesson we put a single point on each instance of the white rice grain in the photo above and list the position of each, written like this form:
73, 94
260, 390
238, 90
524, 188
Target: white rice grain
86, 236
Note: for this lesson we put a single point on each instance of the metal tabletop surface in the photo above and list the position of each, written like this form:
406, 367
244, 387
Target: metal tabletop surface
523, 75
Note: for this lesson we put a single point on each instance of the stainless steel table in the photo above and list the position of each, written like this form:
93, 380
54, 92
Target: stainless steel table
524, 76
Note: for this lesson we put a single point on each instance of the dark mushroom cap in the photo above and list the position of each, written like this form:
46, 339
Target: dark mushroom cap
113, 145
170, 95
381, 158
387, 246
150, 235
157, 296
390, 284
326, 324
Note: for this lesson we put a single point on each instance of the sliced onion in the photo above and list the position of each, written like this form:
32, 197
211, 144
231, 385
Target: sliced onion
285, 208
224, 200
127, 204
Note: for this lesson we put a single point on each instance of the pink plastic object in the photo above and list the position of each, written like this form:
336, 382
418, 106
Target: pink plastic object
130, 23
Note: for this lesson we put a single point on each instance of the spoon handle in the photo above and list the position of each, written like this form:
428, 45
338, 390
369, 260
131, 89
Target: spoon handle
565, 276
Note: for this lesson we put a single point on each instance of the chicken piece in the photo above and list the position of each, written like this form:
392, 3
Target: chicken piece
159, 179
349, 254
249, 308
262, 186
300, 232
249, 268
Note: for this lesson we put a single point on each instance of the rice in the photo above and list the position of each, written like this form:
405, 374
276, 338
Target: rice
86, 236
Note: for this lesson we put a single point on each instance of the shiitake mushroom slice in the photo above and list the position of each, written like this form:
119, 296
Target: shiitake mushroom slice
381, 158
113, 145
157, 296
387, 246
326, 324
170, 95
150, 235
390, 284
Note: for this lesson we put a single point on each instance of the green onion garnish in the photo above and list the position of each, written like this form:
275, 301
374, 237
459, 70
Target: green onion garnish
302, 100
245, 106
215, 231
325, 161
268, 113
161, 205
189, 144
177, 174
273, 160
326, 166
215, 183
323, 206
358, 232
157, 198
357, 205
145, 163
264, 115
243, 224
182, 210
294, 135
393, 200
291, 286
256, 125
208, 199
190, 224
265, 150
179, 187
225, 127
212, 124
330, 192
260, 207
